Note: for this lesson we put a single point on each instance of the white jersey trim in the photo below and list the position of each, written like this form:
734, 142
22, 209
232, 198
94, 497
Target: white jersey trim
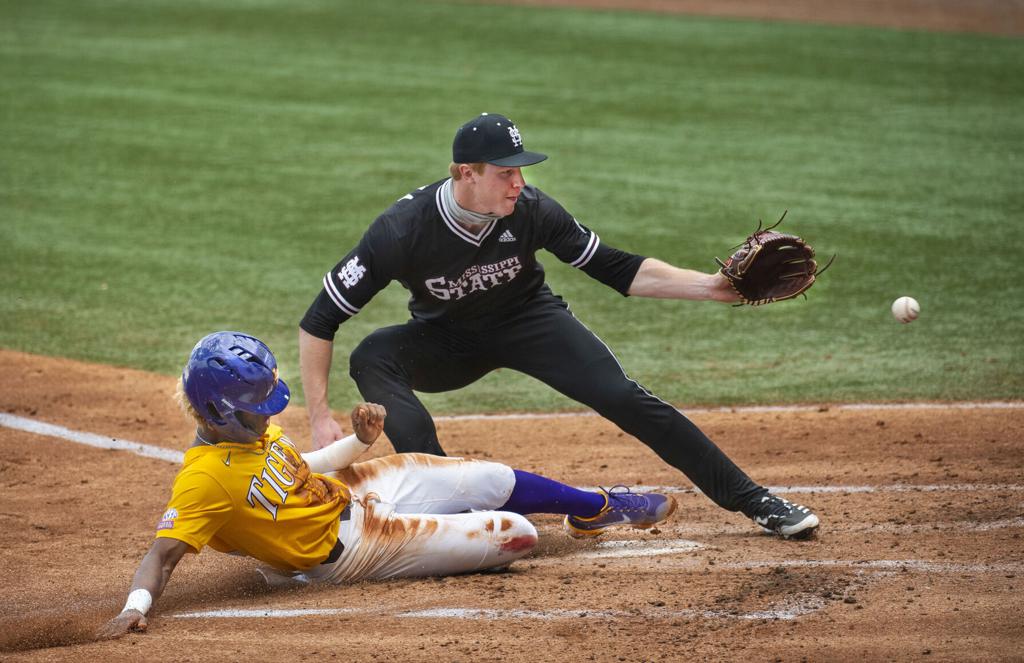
588, 252
335, 295
449, 219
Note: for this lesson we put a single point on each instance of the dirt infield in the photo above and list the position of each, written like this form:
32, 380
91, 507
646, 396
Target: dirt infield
919, 556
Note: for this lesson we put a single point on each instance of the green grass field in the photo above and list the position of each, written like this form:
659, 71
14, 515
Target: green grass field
172, 168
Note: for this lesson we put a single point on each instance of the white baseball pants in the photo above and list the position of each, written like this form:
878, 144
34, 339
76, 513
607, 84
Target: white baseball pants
423, 515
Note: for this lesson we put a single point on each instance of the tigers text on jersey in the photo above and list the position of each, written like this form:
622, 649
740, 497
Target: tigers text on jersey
456, 275
258, 499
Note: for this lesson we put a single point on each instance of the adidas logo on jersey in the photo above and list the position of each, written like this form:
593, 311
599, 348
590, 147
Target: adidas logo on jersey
507, 236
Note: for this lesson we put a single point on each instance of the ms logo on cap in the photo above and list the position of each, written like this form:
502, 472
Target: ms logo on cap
517, 140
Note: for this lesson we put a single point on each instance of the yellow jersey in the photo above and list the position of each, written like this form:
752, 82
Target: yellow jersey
257, 499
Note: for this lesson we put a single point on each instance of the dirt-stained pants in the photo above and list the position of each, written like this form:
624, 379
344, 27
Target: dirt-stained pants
411, 516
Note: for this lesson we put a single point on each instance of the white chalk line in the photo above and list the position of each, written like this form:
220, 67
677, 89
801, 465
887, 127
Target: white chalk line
151, 451
790, 610
891, 488
710, 530
918, 565
757, 409
162, 453
923, 528
275, 613
89, 439
785, 610
661, 547
635, 548
958, 526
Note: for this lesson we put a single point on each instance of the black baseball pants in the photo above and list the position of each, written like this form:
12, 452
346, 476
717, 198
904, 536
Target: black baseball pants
543, 340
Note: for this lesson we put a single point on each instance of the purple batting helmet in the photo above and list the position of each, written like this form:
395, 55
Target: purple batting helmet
229, 372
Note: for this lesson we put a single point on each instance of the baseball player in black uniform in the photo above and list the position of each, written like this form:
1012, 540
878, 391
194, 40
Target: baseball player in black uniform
465, 248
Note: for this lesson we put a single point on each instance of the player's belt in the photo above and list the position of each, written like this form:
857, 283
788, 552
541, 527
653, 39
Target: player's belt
339, 547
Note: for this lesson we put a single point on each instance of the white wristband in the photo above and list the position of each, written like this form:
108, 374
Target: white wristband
139, 599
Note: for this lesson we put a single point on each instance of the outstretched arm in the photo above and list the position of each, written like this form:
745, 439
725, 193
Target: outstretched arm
150, 579
661, 280
315, 356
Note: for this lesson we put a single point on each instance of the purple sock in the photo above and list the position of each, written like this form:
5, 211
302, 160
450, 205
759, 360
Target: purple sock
537, 494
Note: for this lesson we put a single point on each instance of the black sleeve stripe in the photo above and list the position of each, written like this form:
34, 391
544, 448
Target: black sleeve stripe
335, 295
588, 252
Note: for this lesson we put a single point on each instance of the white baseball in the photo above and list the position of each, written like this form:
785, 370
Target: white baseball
905, 309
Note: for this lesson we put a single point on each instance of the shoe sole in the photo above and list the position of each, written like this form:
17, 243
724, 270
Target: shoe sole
802, 530
590, 533
581, 533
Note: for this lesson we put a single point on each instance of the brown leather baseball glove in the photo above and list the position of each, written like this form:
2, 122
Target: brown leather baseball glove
771, 266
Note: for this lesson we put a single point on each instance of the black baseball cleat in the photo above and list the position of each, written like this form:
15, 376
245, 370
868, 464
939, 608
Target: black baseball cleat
788, 520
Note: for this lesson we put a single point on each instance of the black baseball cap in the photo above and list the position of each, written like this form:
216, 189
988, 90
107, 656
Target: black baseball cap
492, 138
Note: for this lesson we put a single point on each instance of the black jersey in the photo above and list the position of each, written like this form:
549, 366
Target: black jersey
460, 277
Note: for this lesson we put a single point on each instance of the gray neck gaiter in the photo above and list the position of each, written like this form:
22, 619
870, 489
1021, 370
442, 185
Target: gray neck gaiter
460, 213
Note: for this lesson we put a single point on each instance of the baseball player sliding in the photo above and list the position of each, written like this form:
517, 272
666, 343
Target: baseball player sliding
465, 247
244, 488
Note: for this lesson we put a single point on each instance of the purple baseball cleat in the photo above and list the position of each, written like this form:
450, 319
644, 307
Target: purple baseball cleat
639, 510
